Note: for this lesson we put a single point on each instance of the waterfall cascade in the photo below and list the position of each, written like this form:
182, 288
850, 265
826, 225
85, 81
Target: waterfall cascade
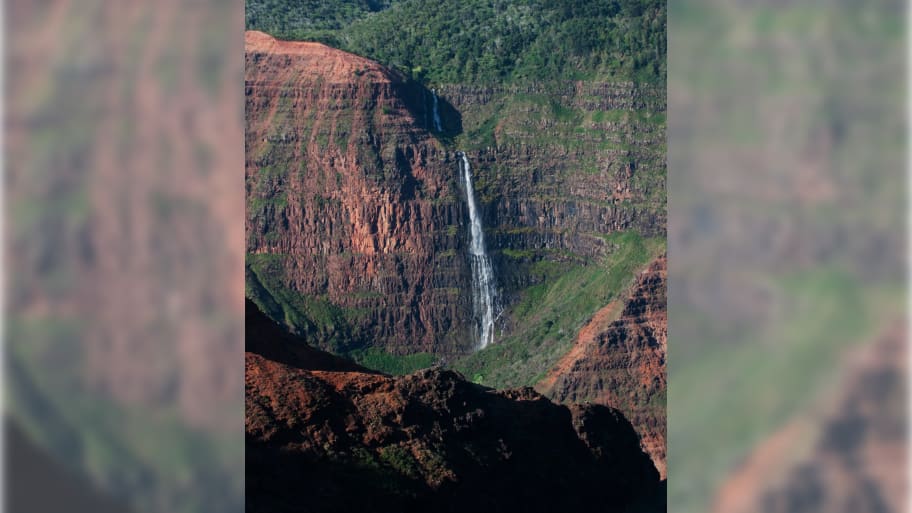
437, 124
484, 293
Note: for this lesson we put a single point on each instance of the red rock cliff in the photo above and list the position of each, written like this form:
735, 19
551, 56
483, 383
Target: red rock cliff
352, 208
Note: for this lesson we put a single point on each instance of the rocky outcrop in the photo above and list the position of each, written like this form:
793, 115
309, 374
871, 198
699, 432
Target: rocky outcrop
351, 204
328, 436
619, 360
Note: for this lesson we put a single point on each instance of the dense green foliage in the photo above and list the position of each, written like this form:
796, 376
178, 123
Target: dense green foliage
378, 359
441, 41
290, 17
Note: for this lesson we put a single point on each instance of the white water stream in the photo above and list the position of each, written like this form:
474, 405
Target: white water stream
483, 284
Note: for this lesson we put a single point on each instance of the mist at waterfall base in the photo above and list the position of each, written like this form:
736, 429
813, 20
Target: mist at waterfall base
484, 294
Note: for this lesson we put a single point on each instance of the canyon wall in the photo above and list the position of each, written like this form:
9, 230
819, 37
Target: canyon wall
559, 166
356, 221
357, 224
353, 214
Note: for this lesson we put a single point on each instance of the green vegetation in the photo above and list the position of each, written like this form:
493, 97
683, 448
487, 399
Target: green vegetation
550, 314
378, 359
306, 17
401, 459
518, 254
257, 204
472, 41
329, 326
325, 324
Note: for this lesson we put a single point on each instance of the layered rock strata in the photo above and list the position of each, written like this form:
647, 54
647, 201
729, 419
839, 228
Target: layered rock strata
352, 206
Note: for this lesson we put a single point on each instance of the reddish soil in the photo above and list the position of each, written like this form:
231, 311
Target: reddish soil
316, 59
586, 336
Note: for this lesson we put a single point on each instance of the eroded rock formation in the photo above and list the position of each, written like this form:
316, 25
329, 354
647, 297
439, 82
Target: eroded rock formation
318, 428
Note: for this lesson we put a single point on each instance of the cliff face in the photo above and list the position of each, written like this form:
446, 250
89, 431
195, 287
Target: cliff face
619, 360
352, 209
430, 441
561, 165
356, 217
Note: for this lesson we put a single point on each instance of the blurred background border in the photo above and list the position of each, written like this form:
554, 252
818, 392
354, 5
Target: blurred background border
787, 256
124, 250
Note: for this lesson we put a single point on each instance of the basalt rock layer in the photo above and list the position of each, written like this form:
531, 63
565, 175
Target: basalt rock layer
319, 427
353, 212
621, 363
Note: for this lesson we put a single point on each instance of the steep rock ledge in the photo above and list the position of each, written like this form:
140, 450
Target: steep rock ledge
621, 363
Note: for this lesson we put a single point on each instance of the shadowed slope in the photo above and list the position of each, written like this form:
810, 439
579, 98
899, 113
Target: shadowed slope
324, 435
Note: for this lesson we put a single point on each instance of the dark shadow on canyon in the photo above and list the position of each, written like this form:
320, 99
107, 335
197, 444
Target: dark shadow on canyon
419, 100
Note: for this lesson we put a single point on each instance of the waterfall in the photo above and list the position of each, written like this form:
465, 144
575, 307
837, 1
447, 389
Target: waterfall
437, 125
483, 285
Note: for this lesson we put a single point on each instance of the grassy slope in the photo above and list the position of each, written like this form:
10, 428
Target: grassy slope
313, 317
550, 314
